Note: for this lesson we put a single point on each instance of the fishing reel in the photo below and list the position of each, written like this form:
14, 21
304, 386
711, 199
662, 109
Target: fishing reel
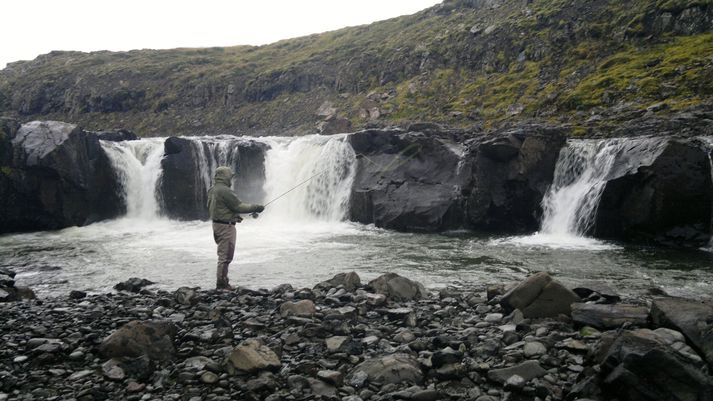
254, 215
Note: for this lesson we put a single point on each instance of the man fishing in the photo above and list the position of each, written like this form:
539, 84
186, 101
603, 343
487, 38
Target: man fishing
224, 209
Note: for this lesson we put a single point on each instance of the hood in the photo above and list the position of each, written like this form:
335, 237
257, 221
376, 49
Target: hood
223, 175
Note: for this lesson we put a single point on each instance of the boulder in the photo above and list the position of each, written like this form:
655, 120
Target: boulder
407, 181
55, 175
116, 136
395, 368
398, 288
134, 284
642, 202
153, 338
334, 125
692, 318
539, 296
527, 370
252, 355
304, 307
350, 281
609, 316
186, 296
639, 366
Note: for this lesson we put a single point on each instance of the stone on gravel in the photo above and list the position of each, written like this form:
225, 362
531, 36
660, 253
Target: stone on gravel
528, 370
77, 294
398, 288
134, 284
186, 296
539, 296
251, 355
112, 370
396, 369
153, 338
612, 316
350, 281
534, 349
304, 307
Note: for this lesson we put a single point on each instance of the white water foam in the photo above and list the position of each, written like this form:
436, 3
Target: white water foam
324, 165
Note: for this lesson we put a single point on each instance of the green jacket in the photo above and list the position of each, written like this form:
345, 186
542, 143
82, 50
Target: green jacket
223, 205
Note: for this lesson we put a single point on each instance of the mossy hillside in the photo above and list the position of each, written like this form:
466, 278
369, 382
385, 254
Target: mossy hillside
679, 72
459, 63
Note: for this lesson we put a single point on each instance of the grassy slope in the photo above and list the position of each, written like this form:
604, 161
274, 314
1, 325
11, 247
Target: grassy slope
553, 60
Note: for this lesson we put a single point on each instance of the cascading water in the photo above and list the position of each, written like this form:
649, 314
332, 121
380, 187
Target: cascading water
582, 170
138, 166
212, 152
327, 164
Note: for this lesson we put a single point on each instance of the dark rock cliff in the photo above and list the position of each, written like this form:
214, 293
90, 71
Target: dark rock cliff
54, 175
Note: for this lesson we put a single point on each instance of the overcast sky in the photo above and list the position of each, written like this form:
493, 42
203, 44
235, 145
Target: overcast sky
34, 27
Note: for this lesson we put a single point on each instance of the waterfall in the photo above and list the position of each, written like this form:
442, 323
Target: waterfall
583, 169
325, 164
138, 166
211, 153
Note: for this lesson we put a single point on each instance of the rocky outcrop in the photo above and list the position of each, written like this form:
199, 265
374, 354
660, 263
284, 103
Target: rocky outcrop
54, 175
662, 197
640, 365
694, 319
408, 181
511, 172
187, 174
442, 179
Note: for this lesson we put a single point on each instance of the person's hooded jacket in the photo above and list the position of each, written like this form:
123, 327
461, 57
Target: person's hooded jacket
223, 204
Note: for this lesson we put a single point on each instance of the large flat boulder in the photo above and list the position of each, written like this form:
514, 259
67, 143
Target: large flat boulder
693, 318
540, 296
639, 365
603, 316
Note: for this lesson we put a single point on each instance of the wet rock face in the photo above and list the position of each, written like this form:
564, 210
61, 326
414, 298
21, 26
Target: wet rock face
407, 181
54, 175
184, 190
512, 171
666, 200
443, 180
